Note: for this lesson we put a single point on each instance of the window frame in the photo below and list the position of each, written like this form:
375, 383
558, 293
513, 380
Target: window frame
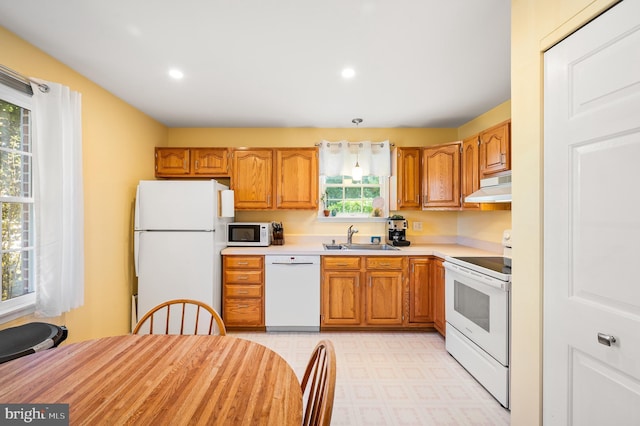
25, 304
384, 193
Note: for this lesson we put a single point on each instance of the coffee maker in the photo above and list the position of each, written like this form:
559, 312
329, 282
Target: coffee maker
397, 231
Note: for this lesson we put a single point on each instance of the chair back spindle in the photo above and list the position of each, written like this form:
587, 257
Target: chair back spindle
184, 307
318, 385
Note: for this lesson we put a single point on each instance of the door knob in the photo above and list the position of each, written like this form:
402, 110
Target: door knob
606, 339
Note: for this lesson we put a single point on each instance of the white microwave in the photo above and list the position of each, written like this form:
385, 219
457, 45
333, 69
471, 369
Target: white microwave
249, 234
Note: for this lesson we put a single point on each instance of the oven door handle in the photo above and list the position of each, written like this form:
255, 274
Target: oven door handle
484, 279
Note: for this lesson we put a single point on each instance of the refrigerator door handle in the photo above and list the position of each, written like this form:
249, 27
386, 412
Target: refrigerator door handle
136, 251
136, 212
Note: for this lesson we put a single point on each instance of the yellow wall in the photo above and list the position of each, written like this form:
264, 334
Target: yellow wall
118, 143
494, 116
276, 137
535, 26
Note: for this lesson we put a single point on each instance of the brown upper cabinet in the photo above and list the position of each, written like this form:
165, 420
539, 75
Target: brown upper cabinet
292, 173
252, 178
441, 176
407, 169
495, 149
192, 162
297, 178
470, 173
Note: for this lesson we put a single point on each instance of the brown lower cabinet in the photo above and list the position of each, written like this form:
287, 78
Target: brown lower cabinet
420, 291
341, 293
437, 282
243, 292
384, 290
369, 292
376, 292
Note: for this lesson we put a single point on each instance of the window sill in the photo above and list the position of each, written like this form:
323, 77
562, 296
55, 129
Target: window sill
18, 310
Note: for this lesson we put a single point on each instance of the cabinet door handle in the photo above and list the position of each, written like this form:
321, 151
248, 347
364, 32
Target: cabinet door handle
503, 158
243, 306
243, 263
243, 292
342, 264
243, 277
197, 164
385, 264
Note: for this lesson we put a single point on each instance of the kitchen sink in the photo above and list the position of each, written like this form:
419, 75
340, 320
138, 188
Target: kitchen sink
355, 246
332, 246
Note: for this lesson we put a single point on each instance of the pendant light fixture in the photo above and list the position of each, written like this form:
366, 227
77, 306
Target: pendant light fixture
356, 173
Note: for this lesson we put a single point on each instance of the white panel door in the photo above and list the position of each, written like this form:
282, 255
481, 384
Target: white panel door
175, 205
592, 223
176, 265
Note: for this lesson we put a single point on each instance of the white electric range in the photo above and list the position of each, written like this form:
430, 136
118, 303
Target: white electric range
478, 312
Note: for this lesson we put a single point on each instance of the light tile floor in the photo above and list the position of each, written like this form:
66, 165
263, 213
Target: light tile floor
393, 379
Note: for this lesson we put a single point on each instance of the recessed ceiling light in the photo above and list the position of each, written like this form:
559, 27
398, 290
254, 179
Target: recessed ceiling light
177, 74
348, 73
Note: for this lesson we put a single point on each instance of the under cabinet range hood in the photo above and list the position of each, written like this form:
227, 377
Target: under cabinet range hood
495, 189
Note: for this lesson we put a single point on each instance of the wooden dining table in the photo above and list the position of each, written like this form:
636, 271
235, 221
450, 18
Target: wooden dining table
158, 380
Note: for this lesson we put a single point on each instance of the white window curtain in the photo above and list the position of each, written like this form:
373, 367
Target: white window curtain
338, 158
58, 194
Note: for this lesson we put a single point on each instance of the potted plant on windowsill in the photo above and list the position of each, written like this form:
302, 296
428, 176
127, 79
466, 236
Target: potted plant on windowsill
323, 200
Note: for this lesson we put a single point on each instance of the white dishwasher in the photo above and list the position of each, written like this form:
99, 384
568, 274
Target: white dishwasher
292, 293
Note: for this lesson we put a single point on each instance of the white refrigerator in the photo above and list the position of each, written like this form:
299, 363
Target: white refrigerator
178, 236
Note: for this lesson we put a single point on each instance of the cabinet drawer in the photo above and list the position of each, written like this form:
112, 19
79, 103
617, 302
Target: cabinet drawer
243, 291
341, 262
243, 277
242, 312
243, 262
379, 262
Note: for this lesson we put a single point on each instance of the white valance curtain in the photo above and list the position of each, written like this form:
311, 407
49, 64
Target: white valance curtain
58, 195
339, 158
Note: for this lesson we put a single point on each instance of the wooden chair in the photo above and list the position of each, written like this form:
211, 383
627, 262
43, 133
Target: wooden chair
318, 385
202, 313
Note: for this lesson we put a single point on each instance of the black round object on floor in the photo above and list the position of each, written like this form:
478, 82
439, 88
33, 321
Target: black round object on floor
16, 342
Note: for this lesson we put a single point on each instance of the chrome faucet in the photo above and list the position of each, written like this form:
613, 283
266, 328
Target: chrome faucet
350, 233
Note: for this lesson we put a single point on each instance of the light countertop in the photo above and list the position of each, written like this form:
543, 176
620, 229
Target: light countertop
316, 248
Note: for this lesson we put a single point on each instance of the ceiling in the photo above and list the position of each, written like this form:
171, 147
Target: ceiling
278, 63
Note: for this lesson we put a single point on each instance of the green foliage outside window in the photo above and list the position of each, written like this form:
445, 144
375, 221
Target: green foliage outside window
346, 197
15, 200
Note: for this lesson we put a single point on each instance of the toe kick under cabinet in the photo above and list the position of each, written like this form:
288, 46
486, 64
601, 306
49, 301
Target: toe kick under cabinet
243, 292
